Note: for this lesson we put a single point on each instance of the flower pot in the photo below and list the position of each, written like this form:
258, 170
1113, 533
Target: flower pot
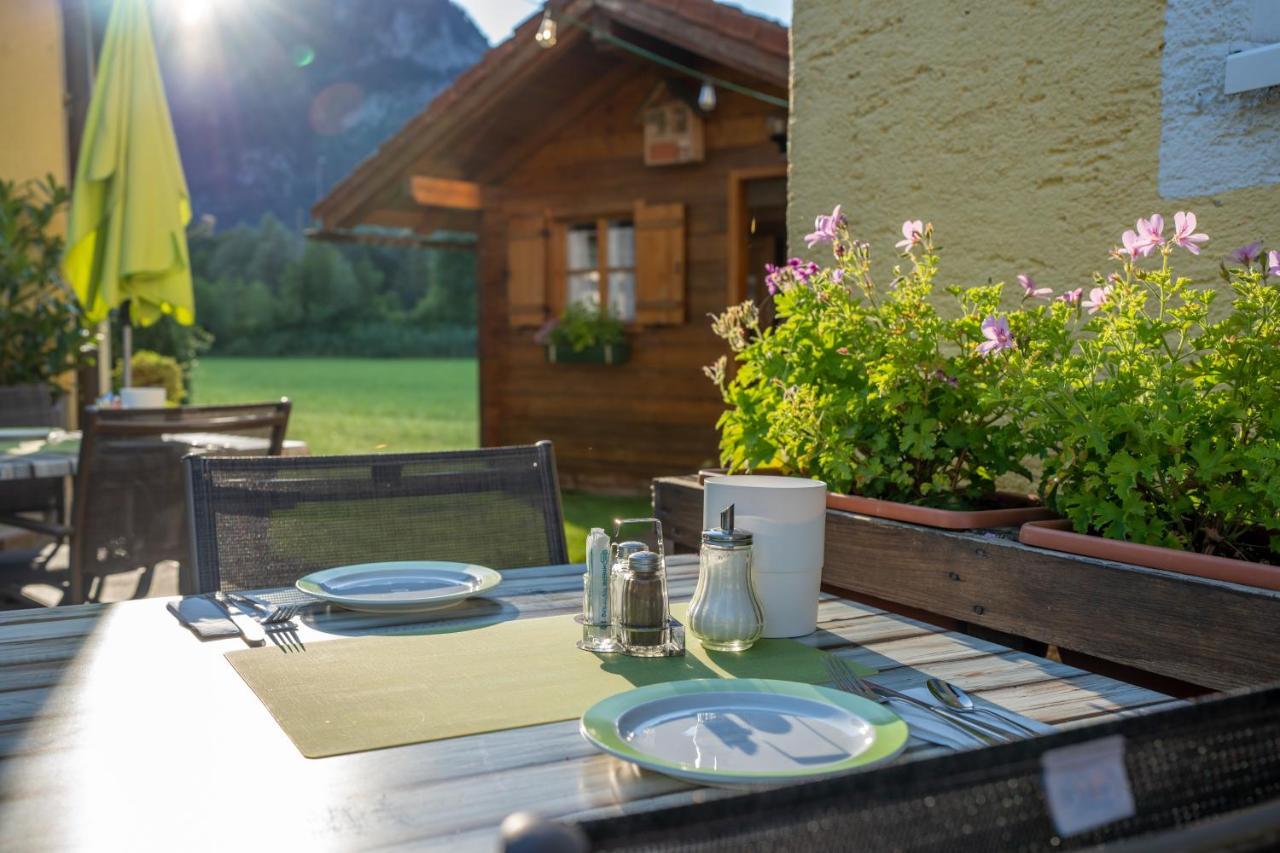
787, 516
142, 397
1013, 511
1057, 535
604, 354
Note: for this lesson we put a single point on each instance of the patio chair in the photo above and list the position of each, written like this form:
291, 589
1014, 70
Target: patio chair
25, 406
1202, 776
260, 523
130, 491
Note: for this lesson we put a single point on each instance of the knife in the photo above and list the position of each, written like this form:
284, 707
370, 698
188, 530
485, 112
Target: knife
250, 631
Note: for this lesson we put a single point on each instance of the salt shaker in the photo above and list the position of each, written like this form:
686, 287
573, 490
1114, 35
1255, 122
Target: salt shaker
725, 612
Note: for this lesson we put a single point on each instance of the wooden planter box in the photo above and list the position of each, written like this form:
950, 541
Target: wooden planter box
607, 354
1206, 632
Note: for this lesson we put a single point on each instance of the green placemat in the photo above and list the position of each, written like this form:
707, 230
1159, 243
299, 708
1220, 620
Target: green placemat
372, 692
70, 446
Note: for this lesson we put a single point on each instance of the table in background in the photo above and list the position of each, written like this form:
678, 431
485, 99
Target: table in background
41, 463
120, 729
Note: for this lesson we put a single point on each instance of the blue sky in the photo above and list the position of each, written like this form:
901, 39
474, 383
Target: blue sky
496, 18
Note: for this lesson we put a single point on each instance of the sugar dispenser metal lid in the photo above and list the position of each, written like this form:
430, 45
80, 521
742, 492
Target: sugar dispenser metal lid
726, 536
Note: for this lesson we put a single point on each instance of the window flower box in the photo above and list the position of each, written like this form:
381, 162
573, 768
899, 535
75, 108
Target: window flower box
612, 354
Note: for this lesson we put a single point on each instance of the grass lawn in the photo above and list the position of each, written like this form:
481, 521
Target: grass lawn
357, 405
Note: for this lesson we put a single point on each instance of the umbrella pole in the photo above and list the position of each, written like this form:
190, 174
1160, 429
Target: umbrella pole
126, 347
104, 357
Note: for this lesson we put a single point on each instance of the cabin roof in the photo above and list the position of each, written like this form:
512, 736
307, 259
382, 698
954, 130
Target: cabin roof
508, 92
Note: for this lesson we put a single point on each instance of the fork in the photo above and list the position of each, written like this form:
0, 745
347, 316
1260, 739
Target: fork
270, 613
850, 682
277, 622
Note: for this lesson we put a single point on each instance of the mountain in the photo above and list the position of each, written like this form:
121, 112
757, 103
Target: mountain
273, 101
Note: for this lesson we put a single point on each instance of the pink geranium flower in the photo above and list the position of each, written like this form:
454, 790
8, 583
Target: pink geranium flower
825, 228
997, 334
1029, 289
1184, 226
1098, 297
1273, 262
912, 233
1072, 297
1247, 254
1132, 245
1150, 234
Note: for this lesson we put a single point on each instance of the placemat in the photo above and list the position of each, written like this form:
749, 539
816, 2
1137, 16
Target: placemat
372, 692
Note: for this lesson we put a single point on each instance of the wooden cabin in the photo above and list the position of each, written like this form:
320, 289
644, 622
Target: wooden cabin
590, 171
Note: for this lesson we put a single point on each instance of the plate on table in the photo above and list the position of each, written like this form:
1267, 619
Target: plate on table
415, 586
744, 731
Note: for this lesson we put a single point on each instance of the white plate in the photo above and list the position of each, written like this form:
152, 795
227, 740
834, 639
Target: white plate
744, 731
24, 433
401, 587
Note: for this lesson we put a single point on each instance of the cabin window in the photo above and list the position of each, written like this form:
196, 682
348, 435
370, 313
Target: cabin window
600, 265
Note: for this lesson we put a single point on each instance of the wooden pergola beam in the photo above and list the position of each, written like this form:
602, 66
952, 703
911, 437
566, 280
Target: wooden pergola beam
444, 192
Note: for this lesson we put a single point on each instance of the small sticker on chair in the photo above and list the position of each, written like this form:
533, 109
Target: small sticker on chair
1086, 785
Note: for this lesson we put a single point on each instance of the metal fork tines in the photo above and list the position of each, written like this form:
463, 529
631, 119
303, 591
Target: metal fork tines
849, 681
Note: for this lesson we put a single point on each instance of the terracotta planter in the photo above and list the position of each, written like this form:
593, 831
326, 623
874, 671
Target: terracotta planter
1014, 510
1057, 535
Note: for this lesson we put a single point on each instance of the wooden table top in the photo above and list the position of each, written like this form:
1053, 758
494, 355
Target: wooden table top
120, 729
40, 464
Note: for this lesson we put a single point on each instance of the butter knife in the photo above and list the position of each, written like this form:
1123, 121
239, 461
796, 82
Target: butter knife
250, 631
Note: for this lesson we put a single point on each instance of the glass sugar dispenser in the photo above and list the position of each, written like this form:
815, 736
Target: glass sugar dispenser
725, 613
639, 605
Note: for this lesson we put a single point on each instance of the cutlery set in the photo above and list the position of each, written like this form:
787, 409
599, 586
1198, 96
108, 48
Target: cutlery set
957, 710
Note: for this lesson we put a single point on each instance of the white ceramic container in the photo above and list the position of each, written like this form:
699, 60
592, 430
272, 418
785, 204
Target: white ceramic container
788, 516
142, 398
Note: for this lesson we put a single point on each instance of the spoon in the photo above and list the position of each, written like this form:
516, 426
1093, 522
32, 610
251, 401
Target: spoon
955, 698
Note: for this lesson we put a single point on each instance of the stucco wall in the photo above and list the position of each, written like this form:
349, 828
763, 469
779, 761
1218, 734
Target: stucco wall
32, 120
1030, 133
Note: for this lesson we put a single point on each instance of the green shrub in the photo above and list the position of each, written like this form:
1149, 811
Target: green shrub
1162, 426
42, 331
152, 370
870, 388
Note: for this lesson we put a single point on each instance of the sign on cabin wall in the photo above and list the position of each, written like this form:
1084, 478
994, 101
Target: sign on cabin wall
672, 133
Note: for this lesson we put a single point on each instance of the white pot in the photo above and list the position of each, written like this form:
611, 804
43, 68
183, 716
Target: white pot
788, 517
142, 398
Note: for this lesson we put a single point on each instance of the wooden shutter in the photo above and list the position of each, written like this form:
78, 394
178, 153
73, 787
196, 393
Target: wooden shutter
527, 270
660, 276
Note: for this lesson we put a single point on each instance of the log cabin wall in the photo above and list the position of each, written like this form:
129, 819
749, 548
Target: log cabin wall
615, 427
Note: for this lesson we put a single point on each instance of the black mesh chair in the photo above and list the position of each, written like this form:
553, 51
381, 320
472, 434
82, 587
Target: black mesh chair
1204, 776
260, 523
130, 498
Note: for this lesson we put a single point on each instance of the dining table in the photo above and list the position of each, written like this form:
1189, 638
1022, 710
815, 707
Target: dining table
120, 729
58, 456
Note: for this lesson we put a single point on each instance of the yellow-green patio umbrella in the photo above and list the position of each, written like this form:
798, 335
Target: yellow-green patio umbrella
129, 203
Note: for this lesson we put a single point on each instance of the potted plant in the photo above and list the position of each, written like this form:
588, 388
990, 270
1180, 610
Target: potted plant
584, 335
901, 409
42, 333
1162, 422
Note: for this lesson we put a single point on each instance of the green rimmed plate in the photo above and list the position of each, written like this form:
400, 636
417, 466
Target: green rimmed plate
411, 586
744, 731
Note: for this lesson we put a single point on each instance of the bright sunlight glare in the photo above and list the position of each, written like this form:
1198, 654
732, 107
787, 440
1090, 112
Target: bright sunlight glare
196, 13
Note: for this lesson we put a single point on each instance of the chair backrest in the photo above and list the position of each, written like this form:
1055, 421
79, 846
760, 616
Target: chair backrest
130, 499
31, 405
1208, 771
260, 523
